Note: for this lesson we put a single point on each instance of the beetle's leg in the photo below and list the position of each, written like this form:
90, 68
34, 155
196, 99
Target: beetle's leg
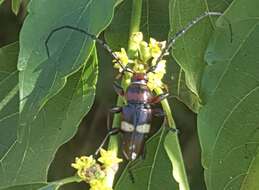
170, 129
111, 131
143, 153
174, 130
112, 111
118, 89
158, 112
130, 171
159, 98
131, 176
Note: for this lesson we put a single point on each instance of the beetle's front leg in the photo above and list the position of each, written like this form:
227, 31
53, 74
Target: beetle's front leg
159, 98
118, 89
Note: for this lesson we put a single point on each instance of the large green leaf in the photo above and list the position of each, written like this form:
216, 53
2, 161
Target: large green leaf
27, 160
189, 49
228, 123
9, 98
41, 77
154, 172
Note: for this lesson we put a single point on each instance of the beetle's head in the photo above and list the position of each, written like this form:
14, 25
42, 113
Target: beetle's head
139, 77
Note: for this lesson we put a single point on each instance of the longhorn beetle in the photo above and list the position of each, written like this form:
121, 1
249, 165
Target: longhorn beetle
137, 114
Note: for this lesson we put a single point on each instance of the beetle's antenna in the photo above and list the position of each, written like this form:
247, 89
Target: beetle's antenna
93, 37
171, 41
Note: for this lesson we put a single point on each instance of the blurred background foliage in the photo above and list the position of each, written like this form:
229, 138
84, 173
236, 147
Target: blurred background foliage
93, 127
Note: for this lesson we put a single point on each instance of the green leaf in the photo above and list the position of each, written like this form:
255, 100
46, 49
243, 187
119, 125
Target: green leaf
16, 6
228, 123
180, 90
41, 77
28, 160
154, 172
1, 1
189, 49
9, 98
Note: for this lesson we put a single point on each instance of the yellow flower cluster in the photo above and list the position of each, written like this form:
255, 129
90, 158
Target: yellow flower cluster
145, 56
96, 173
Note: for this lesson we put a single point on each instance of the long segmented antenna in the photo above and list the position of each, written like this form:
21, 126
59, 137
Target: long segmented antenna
93, 37
178, 34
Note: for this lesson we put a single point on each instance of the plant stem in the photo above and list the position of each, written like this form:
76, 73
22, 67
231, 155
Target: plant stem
70, 180
173, 148
67, 180
113, 142
135, 21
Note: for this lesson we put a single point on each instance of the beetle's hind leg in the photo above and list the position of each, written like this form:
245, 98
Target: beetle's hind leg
157, 112
131, 176
170, 129
130, 171
111, 131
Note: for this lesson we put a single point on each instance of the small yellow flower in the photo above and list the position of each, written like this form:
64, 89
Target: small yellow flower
94, 172
144, 51
160, 68
83, 162
99, 184
143, 54
123, 57
109, 158
137, 37
155, 80
139, 66
156, 47
135, 40
87, 168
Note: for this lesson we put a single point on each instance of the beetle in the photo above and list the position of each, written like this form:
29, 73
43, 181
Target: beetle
137, 114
